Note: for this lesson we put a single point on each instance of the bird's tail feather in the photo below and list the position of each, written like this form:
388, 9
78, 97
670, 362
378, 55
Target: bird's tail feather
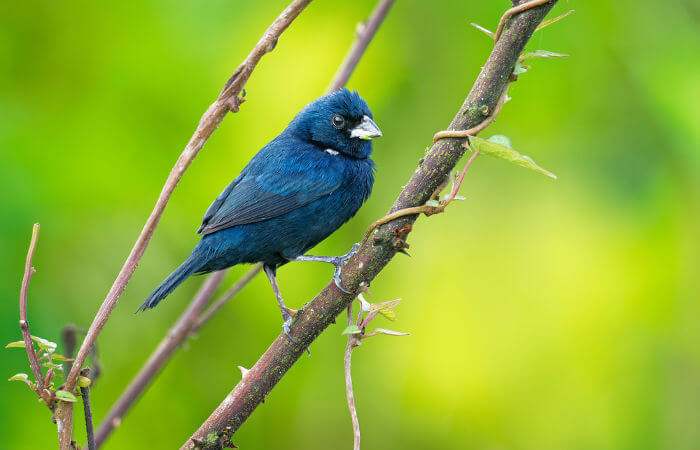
191, 265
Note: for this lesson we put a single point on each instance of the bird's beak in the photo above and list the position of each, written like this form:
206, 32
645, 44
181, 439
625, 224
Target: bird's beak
367, 130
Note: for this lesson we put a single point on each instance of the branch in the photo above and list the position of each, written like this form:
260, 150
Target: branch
23, 321
376, 251
160, 356
227, 101
366, 32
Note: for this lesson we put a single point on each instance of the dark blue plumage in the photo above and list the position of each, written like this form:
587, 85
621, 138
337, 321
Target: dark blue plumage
294, 193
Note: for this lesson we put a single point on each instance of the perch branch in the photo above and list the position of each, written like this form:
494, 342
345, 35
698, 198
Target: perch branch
227, 101
366, 32
374, 254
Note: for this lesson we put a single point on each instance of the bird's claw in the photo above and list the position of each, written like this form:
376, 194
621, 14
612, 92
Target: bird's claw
339, 262
286, 325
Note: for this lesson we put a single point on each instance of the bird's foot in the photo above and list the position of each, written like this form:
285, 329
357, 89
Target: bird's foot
286, 325
339, 262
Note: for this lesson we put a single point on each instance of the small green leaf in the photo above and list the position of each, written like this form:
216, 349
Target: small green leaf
60, 358
16, 344
501, 139
352, 329
66, 396
85, 381
519, 69
19, 377
388, 313
548, 22
54, 366
541, 54
492, 147
45, 344
433, 203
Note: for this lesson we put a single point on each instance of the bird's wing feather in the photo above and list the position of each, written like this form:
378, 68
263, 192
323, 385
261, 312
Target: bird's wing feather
258, 195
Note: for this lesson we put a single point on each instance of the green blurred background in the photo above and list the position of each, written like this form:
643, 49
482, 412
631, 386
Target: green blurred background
543, 314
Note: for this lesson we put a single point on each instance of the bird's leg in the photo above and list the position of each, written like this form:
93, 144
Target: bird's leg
287, 313
337, 261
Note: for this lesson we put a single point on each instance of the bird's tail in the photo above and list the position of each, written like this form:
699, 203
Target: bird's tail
191, 265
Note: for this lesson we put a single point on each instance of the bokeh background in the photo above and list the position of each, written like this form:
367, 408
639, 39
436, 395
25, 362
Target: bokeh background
543, 314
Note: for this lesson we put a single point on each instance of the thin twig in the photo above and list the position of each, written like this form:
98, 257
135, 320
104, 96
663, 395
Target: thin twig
362, 268
172, 340
366, 32
23, 321
227, 101
353, 341
87, 410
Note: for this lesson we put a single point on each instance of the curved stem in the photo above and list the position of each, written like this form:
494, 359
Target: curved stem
23, 321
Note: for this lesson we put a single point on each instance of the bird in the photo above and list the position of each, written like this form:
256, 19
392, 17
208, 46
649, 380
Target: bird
294, 193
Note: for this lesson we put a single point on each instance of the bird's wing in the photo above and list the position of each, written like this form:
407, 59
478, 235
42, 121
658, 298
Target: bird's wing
264, 194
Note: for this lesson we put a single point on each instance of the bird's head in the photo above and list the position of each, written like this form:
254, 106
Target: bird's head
340, 121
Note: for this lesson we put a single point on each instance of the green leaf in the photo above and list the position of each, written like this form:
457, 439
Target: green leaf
388, 313
85, 381
541, 54
45, 344
352, 329
66, 396
60, 358
16, 344
433, 203
494, 146
501, 139
19, 377
519, 69
54, 366
548, 22
386, 309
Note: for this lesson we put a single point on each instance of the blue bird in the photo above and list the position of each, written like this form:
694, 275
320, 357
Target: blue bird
296, 191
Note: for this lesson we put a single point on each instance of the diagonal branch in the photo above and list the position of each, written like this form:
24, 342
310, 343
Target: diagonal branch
227, 101
378, 249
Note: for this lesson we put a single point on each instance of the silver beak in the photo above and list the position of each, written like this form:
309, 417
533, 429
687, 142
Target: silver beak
367, 129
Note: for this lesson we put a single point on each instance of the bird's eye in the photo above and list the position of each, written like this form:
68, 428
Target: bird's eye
338, 121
